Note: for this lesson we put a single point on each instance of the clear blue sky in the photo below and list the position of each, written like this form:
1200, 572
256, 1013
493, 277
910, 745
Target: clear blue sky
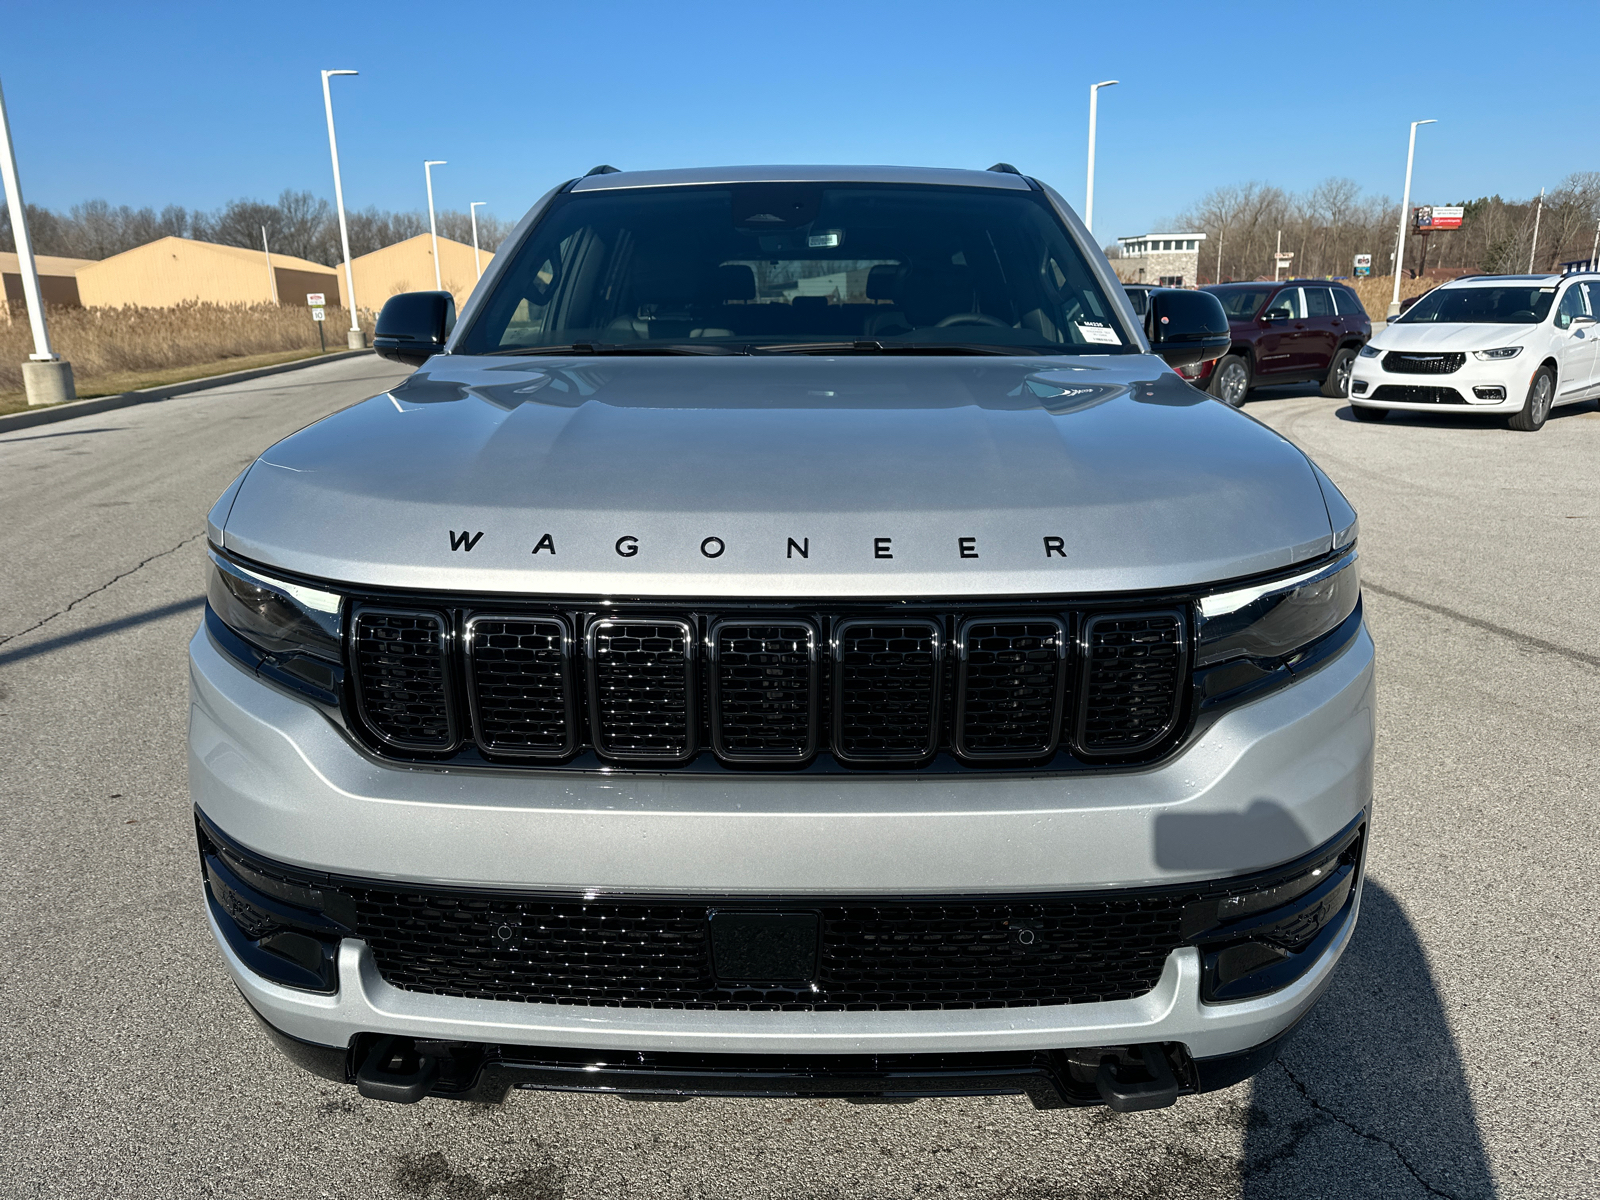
154, 104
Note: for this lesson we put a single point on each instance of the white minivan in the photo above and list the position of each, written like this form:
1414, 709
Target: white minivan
1512, 344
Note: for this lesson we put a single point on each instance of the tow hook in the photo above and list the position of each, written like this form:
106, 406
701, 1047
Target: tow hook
395, 1072
1160, 1090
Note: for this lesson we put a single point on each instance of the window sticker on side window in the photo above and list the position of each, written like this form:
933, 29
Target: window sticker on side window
1099, 332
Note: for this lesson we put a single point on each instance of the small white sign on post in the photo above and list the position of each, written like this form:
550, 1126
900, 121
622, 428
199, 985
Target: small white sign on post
316, 300
319, 314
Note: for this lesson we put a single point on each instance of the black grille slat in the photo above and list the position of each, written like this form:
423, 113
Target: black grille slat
402, 682
1396, 393
641, 689
1010, 687
1399, 362
520, 670
764, 690
1133, 674
886, 690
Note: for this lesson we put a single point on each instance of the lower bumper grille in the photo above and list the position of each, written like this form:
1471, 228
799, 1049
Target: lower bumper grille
1408, 394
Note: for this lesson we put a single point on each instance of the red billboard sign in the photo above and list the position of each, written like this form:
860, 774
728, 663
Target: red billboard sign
1439, 216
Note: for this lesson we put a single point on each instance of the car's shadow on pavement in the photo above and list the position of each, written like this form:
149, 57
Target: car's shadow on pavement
1371, 1092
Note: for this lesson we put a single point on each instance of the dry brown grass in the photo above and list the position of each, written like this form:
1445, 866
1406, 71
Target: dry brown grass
104, 344
1376, 290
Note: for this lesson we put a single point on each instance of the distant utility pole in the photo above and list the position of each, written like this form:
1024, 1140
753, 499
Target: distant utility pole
1533, 250
272, 276
473, 209
433, 227
357, 340
1405, 215
1094, 110
45, 377
1594, 254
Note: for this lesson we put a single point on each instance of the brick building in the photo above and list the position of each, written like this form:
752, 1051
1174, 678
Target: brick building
1166, 259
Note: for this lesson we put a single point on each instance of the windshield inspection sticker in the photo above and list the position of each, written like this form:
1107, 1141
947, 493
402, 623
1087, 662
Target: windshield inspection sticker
1098, 331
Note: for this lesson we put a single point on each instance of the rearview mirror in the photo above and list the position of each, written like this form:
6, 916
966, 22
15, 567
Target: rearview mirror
1186, 328
414, 326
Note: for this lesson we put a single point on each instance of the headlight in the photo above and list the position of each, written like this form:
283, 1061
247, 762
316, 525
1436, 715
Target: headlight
287, 631
1274, 621
1497, 354
1370, 351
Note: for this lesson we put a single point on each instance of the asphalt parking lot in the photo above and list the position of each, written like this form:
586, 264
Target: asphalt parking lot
1453, 1056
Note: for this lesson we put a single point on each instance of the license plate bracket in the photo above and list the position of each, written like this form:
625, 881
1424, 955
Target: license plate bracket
764, 949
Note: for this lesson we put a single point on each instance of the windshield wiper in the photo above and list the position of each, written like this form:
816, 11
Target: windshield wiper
598, 348
867, 347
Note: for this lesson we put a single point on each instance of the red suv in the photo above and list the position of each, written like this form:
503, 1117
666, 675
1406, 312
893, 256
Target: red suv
1288, 332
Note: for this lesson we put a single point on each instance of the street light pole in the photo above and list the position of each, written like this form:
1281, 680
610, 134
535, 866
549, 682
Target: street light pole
1094, 111
1533, 250
433, 227
356, 340
1405, 212
473, 209
45, 377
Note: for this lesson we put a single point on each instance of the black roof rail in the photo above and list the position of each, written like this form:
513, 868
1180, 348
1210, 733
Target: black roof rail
602, 169
1005, 168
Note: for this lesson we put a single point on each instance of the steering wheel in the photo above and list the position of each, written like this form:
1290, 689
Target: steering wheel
971, 319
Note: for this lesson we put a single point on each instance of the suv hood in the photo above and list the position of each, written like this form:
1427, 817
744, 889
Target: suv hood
1450, 335
782, 476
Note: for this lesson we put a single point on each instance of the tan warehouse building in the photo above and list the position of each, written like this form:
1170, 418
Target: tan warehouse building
58, 278
408, 267
172, 270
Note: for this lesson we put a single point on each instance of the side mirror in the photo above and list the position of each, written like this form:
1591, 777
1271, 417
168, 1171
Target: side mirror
1186, 328
414, 326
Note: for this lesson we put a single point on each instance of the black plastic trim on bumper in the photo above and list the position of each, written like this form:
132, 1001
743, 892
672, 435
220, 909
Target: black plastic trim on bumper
1050, 1079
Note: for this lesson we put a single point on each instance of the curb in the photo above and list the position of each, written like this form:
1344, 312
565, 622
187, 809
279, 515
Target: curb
100, 404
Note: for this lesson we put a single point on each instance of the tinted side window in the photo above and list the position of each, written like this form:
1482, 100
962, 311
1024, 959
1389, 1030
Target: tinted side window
1594, 298
1319, 302
1285, 304
1571, 306
1349, 303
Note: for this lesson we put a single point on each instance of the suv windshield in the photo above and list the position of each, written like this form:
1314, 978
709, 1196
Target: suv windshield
1514, 304
1242, 304
786, 265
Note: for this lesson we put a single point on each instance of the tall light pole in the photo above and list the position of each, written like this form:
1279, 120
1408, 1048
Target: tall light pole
1094, 110
433, 227
356, 340
473, 209
1405, 213
46, 379
1533, 250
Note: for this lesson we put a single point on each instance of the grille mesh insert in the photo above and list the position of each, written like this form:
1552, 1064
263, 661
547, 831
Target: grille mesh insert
400, 674
887, 689
640, 689
875, 955
1400, 363
521, 686
1010, 688
765, 678
1409, 394
1133, 681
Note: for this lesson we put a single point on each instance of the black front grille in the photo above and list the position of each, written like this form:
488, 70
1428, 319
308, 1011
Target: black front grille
1407, 394
1398, 362
401, 678
874, 954
522, 686
844, 687
764, 690
1011, 687
1132, 681
641, 689
886, 680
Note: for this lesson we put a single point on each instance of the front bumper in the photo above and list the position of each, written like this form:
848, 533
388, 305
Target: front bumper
1511, 376
1263, 785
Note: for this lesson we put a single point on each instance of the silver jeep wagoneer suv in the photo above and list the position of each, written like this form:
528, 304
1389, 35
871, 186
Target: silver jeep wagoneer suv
792, 635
